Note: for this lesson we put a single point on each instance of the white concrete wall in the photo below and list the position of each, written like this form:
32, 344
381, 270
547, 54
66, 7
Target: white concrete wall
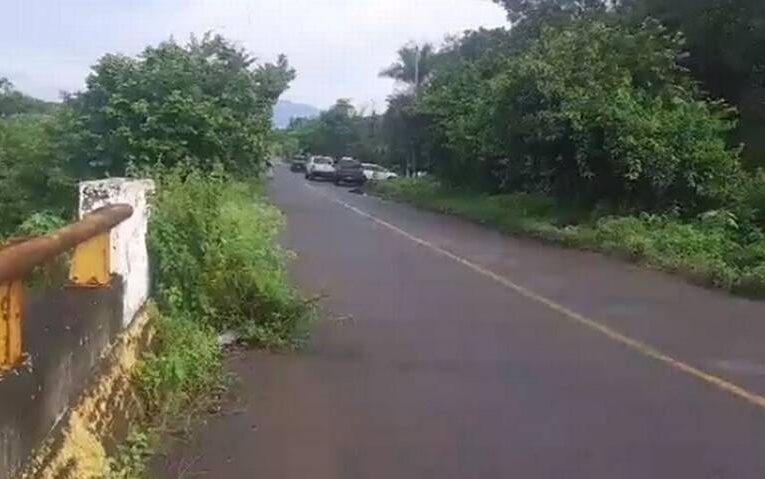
129, 257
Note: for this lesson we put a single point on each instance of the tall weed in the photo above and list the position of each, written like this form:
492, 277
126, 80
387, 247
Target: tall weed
216, 258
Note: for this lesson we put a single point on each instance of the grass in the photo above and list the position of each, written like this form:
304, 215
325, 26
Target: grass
712, 250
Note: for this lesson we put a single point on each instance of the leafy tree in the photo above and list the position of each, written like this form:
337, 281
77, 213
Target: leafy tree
593, 112
522, 10
486, 45
205, 103
531, 17
403, 130
414, 66
725, 39
332, 134
725, 51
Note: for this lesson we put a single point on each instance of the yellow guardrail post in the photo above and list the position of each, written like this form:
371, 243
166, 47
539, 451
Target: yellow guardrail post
90, 266
11, 305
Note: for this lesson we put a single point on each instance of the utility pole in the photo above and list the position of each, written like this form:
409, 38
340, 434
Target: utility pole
413, 168
416, 71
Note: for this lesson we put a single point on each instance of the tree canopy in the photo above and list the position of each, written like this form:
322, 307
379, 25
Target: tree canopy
205, 102
414, 66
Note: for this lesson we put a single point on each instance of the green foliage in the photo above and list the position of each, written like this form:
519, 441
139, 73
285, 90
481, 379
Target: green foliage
340, 131
205, 103
754, 198
132, 456
40, 223
714, 249
213, 242
725, 39
592, 112
286, 144
191, 117
184, 368
723, 50
55, 272
524, 11
33, 177
13, 102
414, 66
584, 125
216, 267
399, 138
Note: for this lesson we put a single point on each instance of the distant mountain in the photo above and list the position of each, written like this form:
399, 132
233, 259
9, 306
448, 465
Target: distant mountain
286, 110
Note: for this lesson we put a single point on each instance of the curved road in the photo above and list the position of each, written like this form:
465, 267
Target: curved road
457, 352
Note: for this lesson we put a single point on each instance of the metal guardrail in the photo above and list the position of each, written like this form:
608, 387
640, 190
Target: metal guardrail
90, 267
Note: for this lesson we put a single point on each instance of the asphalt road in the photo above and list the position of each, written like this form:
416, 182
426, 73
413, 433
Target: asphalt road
450, 351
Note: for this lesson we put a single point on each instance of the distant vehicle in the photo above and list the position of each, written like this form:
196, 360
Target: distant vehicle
376, 172
297, 164
349, 171
320, 167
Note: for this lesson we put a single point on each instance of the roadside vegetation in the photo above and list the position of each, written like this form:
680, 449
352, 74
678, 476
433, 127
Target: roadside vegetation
632, 126
712, 249
196, 118
629, 127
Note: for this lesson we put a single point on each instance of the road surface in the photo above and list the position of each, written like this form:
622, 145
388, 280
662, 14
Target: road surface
451, 351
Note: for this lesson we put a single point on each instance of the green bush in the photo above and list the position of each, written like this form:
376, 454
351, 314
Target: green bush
602, 112
753, 204
589, 112
695, 249
207, 102
214, 246
132, 457
33, 177
183, 369
216, 266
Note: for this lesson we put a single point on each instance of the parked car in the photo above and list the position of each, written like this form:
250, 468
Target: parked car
375, 172
297, 164
320, 167
349, 171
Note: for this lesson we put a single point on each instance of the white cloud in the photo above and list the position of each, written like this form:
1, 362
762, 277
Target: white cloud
337, 46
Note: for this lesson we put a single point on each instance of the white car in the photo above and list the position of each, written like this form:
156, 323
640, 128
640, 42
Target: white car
320, 167
377, 173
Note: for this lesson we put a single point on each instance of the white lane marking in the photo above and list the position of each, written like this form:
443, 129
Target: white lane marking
592, 324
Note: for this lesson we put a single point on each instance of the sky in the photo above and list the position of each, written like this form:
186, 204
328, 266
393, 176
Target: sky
337, 47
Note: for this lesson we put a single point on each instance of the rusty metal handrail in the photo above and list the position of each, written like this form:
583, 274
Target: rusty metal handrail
19, 259
90, 237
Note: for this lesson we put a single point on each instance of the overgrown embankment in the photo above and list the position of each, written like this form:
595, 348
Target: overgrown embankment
712, 249
216, 267
196, 118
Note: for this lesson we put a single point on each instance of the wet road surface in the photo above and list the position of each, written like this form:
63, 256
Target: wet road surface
450, 351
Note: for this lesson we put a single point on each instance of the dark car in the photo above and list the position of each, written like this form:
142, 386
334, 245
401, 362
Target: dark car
349, 171
297, 165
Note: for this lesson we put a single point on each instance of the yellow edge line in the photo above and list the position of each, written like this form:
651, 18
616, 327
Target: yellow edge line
635, 345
